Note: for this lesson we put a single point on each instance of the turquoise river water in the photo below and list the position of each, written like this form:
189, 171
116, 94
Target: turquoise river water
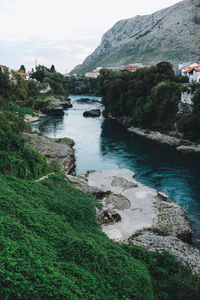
102, 144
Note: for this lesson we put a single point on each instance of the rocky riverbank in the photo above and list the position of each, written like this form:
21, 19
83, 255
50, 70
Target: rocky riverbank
179, 144
139, 214
56, 106
58, 152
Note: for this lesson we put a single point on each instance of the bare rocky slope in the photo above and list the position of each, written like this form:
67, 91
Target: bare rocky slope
171, 34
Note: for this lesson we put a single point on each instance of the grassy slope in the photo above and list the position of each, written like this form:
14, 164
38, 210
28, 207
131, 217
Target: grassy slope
52, 247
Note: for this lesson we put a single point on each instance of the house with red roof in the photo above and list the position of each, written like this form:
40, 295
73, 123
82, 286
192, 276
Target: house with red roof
193, 72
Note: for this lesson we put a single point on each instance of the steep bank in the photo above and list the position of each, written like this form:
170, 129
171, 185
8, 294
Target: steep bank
131, 209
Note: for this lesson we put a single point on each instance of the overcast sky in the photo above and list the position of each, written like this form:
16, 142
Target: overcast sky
61, 32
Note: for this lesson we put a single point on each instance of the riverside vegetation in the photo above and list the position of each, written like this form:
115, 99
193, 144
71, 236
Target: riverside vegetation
149, 99
50, 244
82, 85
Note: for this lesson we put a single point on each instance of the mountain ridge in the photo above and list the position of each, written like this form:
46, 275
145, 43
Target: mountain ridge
167, 34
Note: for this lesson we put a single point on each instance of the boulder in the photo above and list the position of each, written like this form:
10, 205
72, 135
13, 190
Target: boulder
66, 104
92, 113
58, 152
53, 111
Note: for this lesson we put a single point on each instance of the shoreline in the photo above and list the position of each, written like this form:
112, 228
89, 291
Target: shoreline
135, 213
171, 139
180, 145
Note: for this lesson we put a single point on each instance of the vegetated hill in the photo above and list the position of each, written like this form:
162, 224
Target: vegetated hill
171, 34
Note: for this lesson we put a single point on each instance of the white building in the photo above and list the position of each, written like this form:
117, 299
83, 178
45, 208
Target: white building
193, 73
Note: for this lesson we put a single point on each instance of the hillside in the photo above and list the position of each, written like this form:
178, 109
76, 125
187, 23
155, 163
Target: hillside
169, 34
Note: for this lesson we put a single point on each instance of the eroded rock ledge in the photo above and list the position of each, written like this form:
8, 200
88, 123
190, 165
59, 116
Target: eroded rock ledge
134, 212
180, 145
59, 152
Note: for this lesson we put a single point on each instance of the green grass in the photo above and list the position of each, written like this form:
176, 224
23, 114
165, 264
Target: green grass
52, 248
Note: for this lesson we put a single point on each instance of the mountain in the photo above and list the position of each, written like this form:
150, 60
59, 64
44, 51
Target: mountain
171, 34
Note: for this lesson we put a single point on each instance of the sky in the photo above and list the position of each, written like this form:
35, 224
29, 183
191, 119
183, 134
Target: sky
61, 32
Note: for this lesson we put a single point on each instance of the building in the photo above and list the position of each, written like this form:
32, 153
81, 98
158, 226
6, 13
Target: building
134, 67
24, 75
92, 74
2, 67
193, 72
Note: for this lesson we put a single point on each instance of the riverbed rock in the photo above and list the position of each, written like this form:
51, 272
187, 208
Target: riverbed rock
31, 119
134, 212
92, 113
193, 149
139, 206
53, 111
56, 106
156, 136
170, 140
58, 152
88, 100
185, 253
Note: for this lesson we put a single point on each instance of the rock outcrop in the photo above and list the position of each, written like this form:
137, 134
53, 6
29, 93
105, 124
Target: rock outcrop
166, 35
182, 146
92, 113
186, 254
56, 106
58, 152
131, 210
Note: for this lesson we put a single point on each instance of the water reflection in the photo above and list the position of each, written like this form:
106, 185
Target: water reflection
49, 125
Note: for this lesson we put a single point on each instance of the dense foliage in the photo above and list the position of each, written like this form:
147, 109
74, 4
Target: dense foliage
15, 157
34, 93
52, 78
50, 244
149, 98
52, 248
82, 85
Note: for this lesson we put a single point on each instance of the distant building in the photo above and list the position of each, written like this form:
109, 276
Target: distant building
2, 68
193, 72
24, 75
134, 67
131, 68
66, 75
92, 74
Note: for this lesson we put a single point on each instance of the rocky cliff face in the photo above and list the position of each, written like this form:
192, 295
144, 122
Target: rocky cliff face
170, 34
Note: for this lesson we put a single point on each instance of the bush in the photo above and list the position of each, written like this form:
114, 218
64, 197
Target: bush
15, 157
52, 247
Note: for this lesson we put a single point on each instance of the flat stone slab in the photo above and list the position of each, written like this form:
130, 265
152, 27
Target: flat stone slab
139, 214
139, 206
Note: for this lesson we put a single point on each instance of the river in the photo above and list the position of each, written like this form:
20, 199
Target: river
102, 144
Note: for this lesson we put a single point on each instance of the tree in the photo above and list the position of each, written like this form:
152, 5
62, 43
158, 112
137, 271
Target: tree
53, 69
22, 69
